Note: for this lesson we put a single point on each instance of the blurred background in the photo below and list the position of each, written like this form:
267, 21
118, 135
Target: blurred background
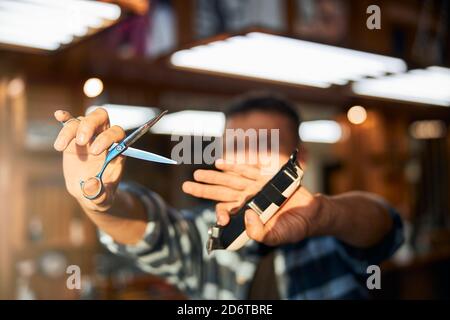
376, 118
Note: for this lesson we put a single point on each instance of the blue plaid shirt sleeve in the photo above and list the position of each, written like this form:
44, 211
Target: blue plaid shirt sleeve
360, 258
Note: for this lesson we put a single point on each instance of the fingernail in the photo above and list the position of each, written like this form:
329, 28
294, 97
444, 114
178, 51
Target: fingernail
59, 143
185, 187
220, 221
81, 138
95, 149
249, 219
219, 161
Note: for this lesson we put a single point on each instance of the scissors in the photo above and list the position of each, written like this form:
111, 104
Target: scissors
123, 148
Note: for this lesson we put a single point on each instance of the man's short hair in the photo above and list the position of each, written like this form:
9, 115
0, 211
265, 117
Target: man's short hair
267, 102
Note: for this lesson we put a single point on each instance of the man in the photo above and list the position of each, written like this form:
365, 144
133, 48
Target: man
315, 247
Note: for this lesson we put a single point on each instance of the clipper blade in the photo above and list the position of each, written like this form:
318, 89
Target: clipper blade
213, 242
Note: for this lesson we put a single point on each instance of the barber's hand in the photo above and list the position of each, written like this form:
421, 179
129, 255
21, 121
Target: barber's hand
298, 218
84, 144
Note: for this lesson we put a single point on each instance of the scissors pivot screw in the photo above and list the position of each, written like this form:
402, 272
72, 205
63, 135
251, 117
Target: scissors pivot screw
119, 147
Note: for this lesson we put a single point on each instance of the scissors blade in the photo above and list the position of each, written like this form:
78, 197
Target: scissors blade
147, 156
139, 132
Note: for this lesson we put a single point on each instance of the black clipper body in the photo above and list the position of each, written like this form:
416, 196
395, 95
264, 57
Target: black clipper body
266, 203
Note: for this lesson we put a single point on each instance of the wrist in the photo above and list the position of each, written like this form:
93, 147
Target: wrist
108, 206
125, 220
92, 208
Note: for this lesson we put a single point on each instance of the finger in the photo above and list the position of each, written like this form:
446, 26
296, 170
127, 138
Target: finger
216, 193
254, 226
230, 207
247, 171
221, 178
223, 211
62, 115
105, 139
223, 218
66, 135
91, 187
89, 125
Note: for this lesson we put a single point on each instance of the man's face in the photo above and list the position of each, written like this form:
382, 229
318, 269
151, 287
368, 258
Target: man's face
255, 121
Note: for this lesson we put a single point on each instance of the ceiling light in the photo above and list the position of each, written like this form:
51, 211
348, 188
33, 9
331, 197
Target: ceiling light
126, 117
93, 87
56, 25
356, 115
32, 43
97, 8
428, 86
192, 122
320, 131
42, 11
276, 58
48, 24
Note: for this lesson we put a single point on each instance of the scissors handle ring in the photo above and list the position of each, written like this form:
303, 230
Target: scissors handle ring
112, 154
97, 192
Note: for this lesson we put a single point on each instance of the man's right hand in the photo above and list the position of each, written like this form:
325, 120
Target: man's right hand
84, 144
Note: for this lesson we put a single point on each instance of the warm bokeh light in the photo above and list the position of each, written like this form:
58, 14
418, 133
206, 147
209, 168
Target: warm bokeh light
428, 129
357, 114
16, 87
93, 87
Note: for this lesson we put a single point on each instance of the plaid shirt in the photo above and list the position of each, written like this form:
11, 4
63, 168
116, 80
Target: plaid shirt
316, 268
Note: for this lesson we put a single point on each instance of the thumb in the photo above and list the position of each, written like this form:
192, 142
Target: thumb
254, 226
91, 187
